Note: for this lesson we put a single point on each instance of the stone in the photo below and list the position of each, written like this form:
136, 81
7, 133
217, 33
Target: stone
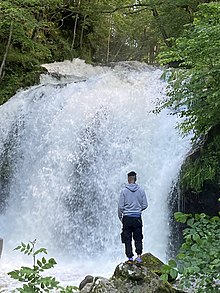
86, 280
99, 285
138, 278
153, 263
133, 277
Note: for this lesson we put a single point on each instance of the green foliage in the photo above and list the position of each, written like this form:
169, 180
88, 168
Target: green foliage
205, 167
35, 39
17, 78
96, 31
31, 278
169, 271
194, 90
33, 31
198, 260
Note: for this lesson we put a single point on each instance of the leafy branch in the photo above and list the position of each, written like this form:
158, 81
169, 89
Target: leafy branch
31, 277
198, 260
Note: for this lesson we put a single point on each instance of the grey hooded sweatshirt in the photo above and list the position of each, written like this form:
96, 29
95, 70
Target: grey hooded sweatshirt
132, 201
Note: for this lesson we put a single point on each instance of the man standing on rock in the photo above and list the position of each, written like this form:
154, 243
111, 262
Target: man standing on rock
132, 202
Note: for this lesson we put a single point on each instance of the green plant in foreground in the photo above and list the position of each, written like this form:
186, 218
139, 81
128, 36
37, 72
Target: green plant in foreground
198, 260
31, 278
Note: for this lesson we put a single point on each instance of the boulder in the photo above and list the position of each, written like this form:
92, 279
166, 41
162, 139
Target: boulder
132, 278
99, 285
86, 280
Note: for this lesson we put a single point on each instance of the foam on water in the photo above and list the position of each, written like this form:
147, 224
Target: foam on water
65, 151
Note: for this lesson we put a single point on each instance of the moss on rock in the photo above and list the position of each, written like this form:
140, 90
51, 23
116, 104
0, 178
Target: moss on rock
133, 278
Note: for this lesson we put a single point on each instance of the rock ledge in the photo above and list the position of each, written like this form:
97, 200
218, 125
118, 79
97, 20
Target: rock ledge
132, 278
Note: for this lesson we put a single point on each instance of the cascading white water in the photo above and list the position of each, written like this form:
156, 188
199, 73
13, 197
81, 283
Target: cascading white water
65, 150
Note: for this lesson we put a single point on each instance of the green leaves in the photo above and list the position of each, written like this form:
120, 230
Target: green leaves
35, 38
43, 264
198, 260
96, 31
194, 91
26, 249
169, 271
172, 263
31, 278
14, 274
181, 217
41, 250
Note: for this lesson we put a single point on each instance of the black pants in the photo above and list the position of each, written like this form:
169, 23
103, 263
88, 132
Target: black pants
132, 227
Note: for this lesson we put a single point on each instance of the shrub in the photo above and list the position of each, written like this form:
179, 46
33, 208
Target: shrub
31, 277
198, 260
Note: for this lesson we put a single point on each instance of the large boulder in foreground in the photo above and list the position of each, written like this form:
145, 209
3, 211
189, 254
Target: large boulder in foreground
131, 278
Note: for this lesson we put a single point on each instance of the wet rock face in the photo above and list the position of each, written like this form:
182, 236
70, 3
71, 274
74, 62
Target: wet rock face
132, 278
205, 201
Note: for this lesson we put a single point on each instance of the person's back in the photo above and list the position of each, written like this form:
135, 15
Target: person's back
131, 204
132, 200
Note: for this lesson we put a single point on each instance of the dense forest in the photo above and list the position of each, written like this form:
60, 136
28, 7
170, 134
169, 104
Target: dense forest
33, 32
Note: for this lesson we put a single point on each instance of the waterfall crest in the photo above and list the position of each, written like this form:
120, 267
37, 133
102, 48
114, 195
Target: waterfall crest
66, 147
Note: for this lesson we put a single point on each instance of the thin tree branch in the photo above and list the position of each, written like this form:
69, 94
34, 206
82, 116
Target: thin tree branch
109, 38
146, 5
82, 31
75, 27
133, 6
161, 28
116, 55
6, 51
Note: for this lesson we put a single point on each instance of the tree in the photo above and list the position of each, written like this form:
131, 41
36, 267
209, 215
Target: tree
194, 90
6, 51
97, 31
30, 36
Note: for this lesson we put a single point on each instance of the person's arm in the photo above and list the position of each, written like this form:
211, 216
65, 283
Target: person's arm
121, 206
144, 201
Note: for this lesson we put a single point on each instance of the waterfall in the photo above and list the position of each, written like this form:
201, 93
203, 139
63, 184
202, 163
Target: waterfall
66, 146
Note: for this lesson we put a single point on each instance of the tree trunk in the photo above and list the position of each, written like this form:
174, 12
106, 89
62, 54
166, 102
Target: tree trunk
75, 27
118, 51
109, 39
82, 31
6, 52
151, 54
162, 30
